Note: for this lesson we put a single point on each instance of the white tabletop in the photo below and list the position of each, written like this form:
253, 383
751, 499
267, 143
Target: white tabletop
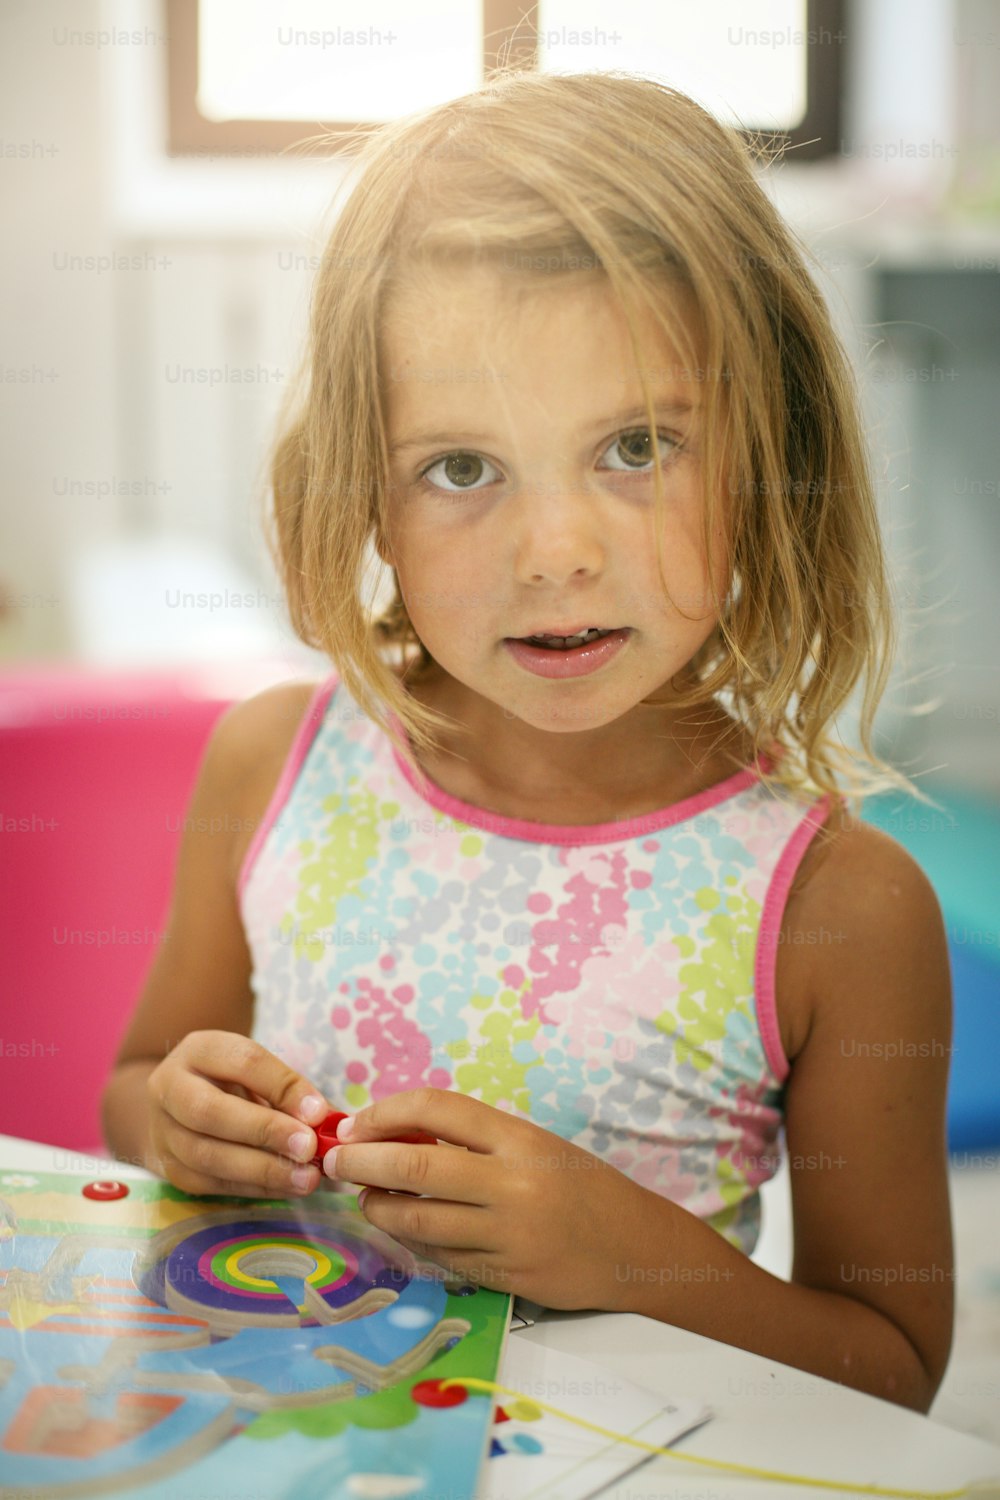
766, 1414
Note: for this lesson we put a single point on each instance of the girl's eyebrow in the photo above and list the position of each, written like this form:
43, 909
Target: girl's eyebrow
674, 408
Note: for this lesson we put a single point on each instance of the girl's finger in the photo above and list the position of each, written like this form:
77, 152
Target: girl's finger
207, 1110
455, 1118
209, 1157
233, 1058
427, 1221
451, 1176
199, 1184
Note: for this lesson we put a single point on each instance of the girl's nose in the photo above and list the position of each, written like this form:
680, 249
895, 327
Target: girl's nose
558, 532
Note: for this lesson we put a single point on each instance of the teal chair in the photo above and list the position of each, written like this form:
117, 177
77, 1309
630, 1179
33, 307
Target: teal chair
959, 850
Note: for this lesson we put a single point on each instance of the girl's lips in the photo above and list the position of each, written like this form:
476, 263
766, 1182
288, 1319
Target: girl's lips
576, 661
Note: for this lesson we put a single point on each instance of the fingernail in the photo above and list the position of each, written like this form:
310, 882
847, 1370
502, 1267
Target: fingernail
300, 1145
330, 1161
361, 1197
312, 1109
345, 1129
300, 1177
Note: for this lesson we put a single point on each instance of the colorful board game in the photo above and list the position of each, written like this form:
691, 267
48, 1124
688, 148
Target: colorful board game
155, 1344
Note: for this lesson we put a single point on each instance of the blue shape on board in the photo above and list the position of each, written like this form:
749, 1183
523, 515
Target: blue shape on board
294, 1288
51, 1355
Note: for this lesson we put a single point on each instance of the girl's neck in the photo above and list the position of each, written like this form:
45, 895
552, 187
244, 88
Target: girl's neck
515, 770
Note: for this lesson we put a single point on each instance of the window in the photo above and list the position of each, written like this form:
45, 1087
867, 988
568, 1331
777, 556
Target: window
246, 79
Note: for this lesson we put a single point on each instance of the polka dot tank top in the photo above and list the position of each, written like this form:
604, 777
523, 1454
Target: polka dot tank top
613, 983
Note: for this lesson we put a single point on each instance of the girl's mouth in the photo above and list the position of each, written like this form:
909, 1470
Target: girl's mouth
560, 657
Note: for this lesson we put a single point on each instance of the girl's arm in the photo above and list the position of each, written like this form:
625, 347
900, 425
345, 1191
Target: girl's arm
871, 1298
197, 994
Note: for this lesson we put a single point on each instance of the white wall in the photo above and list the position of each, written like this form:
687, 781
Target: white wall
60, 374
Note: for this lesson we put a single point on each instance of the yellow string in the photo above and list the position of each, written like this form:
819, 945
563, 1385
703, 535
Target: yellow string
714, 1463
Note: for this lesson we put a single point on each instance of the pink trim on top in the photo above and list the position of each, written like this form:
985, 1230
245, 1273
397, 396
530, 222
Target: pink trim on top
304, 736
575, 833
770, 930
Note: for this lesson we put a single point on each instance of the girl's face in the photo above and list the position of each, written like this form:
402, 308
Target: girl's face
522, 494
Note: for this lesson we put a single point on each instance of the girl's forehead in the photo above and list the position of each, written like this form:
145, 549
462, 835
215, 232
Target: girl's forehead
477, 304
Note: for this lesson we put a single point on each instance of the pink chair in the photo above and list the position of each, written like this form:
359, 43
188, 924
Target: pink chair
96, 771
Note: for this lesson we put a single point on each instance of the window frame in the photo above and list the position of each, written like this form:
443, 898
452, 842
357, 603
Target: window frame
511, 36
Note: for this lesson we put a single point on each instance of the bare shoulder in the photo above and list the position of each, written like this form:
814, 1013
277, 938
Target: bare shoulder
258, 734
856, 892
263, 722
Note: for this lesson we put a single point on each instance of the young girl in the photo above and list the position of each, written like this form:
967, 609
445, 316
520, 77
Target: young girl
590, 911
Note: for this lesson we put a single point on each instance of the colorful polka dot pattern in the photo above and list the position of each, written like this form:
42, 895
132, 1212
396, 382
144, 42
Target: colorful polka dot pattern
603, 989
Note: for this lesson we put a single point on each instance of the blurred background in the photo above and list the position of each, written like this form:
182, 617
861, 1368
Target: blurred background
162, 234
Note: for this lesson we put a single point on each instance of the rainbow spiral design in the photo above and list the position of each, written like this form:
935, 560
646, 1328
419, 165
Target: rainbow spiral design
279, 1272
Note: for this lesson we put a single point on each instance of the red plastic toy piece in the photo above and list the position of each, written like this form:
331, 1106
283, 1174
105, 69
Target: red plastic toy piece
326, 1136
105, 1192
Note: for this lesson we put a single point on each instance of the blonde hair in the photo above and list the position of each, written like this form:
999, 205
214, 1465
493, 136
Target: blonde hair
621, 177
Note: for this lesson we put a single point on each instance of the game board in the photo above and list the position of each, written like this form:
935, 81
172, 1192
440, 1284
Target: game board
153, 1344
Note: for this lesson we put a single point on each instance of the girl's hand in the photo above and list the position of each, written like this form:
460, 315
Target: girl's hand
520, 1210
227, 1116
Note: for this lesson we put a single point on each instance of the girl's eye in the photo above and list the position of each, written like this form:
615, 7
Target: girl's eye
635, 447
461, 470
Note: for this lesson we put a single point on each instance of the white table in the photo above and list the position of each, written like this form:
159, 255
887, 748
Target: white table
766, 1414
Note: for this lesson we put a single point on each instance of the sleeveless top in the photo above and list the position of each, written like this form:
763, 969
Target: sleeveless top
613, 983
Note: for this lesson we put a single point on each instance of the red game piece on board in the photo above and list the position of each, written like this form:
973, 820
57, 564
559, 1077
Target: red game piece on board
105, 1192
429, 1393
